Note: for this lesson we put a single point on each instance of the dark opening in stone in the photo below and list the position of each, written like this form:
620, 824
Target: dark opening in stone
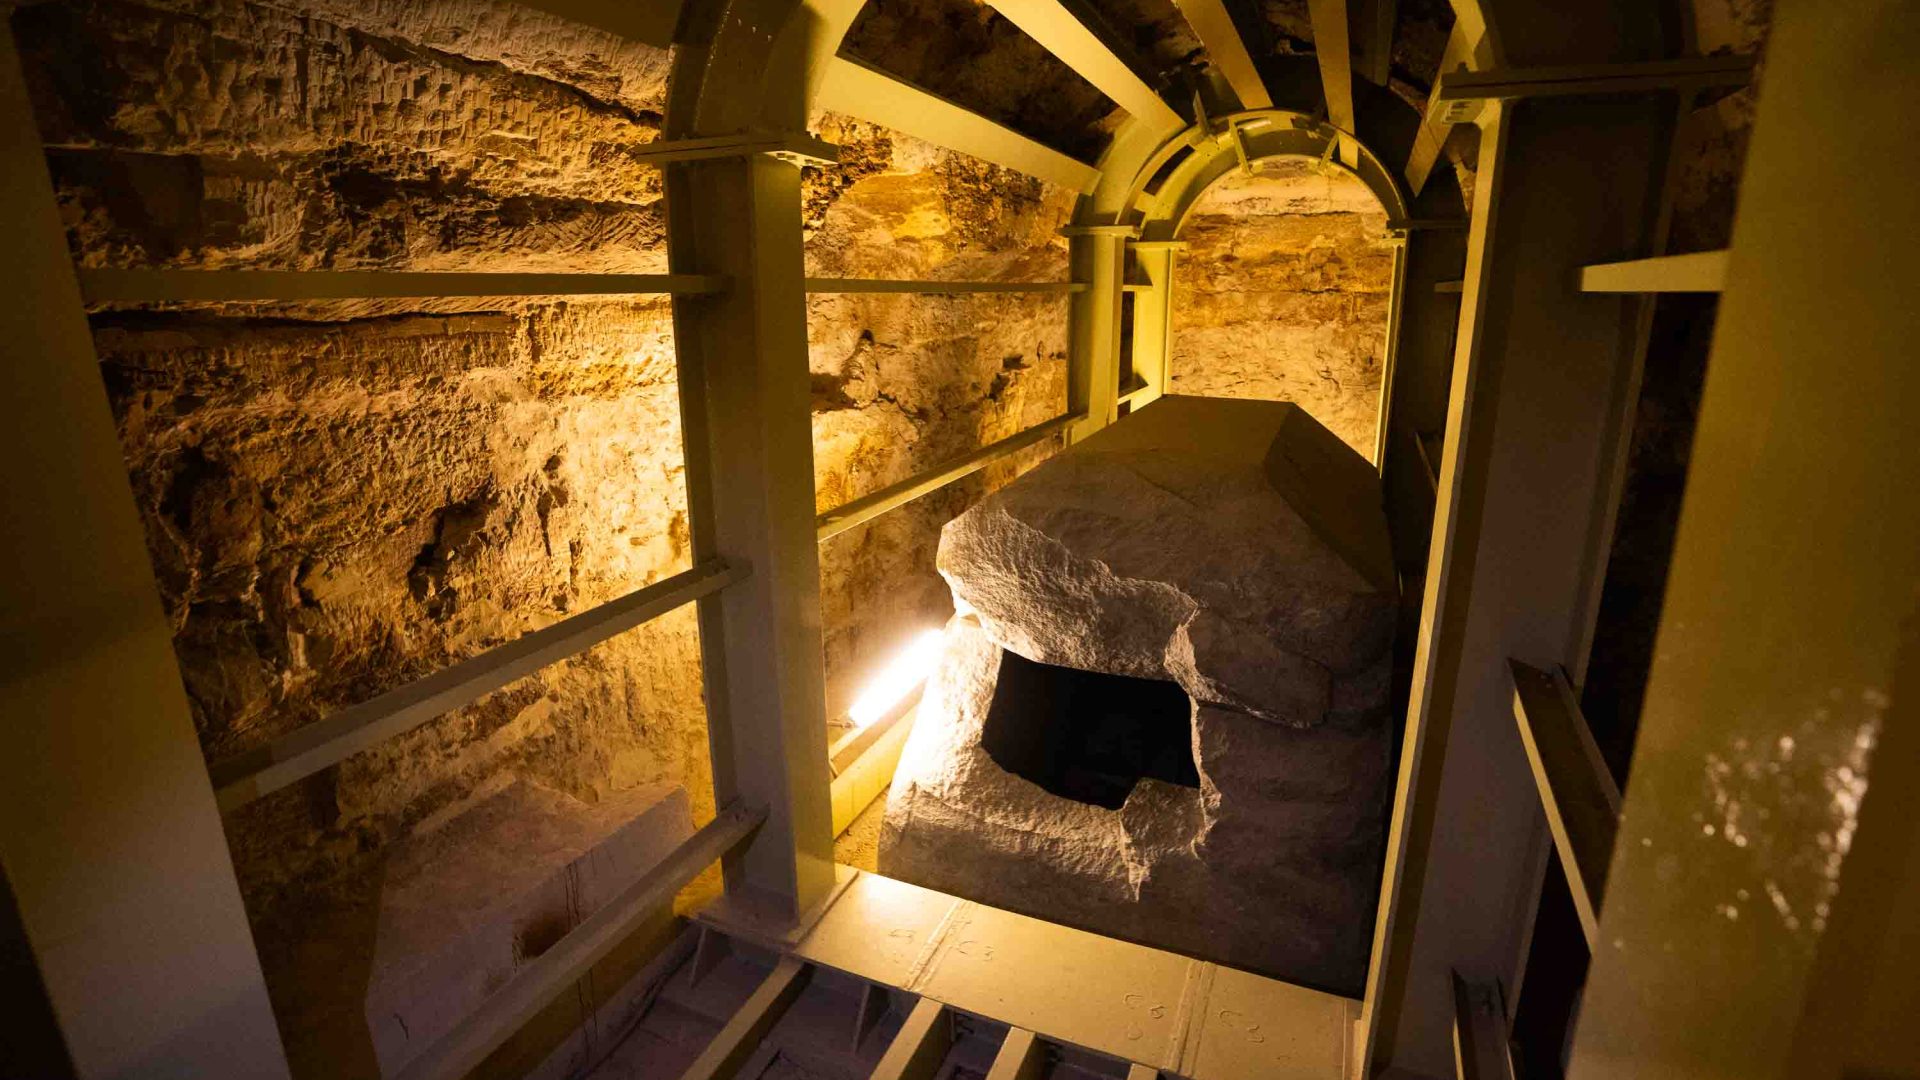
1088, 736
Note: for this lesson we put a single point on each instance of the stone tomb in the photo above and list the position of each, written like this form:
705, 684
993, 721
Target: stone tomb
1161, 713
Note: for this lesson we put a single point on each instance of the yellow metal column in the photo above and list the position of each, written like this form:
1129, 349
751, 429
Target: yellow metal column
749, 461
1099, 254
1153, 317
744, 393
117, 879
1759, 912
1396, 308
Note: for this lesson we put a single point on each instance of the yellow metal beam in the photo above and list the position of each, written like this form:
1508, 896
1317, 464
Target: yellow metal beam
857, 90
1576, 790
1438, 123
1228, 50
1021, 1057
922, 1044
1700, 271
1153, 320
729, 1049
1689, 73
1332, 46
1062, 33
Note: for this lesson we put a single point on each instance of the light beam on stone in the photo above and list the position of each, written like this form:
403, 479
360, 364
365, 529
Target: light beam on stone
908, 669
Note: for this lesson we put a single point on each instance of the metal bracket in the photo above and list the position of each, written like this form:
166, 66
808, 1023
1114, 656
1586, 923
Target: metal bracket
796, 147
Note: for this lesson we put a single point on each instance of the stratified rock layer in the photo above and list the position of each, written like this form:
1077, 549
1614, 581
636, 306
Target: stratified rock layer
1235, 548
1282, 295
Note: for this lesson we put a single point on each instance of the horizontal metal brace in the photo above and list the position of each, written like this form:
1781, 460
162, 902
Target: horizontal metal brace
1577, 792
840, 519
1689, 74
1426, 224
797, 147
556, 971
104, 286
245, 777
1698, 272
896, 285
874, 96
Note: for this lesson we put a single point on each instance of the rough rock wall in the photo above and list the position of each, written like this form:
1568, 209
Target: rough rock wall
904, 383
343, 497
1283, 296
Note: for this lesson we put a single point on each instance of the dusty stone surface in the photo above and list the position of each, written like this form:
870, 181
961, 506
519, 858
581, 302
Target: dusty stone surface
1238, 550
1283, 295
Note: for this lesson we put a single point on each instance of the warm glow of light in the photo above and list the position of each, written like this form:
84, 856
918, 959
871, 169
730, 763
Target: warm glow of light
908, 669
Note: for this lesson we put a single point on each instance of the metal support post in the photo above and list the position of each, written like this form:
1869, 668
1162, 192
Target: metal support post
1390, 348
1153, 317
118, 880
749, 468
1098, 257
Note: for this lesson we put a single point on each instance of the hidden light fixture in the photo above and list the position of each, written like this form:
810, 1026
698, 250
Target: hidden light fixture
903, 673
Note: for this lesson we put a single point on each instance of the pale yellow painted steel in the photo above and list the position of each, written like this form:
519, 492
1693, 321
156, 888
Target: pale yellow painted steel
868, 775
1760, 906
1153, 320
1697, 272
1692, 73
792, 147
921, 1045
747, 432
1065, 36
239, 780
1393, 928
1396, 308
1536, 435
1333, 49
1431, 139
116, 869
1479, 1032
750, 1023
1577, 793
1098, 254
858, 90
1188, 1017
867, 507
1227, 50
1021, 1057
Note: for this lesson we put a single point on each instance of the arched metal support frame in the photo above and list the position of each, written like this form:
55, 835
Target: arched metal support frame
1161, 194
